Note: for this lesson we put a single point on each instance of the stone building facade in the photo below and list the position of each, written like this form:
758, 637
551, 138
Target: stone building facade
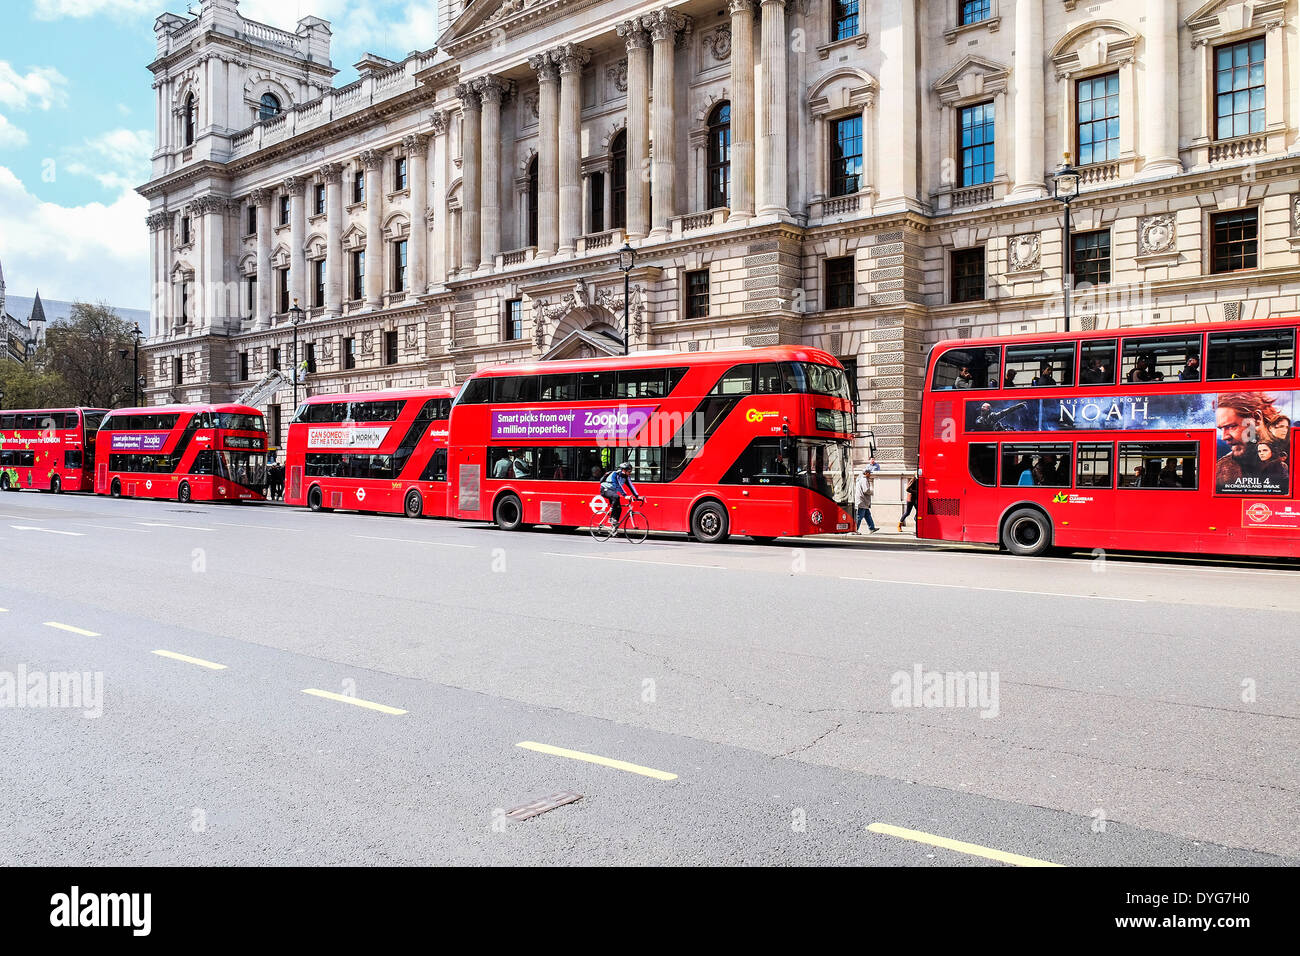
869, 179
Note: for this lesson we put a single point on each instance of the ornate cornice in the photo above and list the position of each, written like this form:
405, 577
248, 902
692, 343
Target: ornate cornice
295, 185
546, 69
372, 159
570, 57
332, 172
633, 34
468, 95
416, 144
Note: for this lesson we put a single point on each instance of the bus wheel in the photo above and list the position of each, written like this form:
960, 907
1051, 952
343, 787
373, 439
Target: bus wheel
116, 490
414, 504
56, 486
509, 514
1026, 533
762, 538
315, 500
709, 523
183, 494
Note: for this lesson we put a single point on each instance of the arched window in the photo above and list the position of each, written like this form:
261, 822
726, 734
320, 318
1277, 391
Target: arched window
270, 106
532, 203
618, 181
720, 156
191, 118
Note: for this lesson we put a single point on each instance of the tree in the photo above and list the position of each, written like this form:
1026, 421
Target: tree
31, 386
86, 355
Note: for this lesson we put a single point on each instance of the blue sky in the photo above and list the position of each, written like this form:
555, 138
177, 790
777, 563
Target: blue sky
76, 128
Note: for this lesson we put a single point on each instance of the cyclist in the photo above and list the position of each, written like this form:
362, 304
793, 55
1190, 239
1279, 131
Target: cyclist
616, 483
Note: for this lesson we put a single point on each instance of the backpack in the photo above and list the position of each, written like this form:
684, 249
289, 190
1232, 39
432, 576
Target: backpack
607, 486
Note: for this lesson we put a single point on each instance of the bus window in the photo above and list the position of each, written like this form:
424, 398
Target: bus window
1157, 464
515, 388
1262, 353
512, 462
759, 464
477, 391
641, 383
555, 464
736, 381
769, 379
436, 470
1097, 362
559, 388
1049, 363
966, 368
1045, 465
1162, 358
592, 385
983, 461
202, 463
1093, 465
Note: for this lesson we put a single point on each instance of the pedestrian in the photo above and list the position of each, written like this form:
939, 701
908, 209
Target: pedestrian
864, 490
911, 501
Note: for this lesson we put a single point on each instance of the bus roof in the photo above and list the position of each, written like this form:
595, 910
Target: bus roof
1184, 328
665, 359
229, 407
37, 411
382, 393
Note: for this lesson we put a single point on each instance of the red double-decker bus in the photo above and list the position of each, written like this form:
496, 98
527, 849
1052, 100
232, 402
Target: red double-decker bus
50, 449
182, 452
383, 451
1165, 438
751, 441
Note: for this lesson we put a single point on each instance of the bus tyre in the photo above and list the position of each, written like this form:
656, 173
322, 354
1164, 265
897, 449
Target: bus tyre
56, 486
315, 500
509, 513
183, 493
1026, 533
116, 489
709, 523
414, 504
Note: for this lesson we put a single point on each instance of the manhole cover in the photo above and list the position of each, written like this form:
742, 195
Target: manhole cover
543, 804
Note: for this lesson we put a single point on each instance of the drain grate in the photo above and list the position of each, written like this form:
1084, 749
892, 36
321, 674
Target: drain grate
543, 804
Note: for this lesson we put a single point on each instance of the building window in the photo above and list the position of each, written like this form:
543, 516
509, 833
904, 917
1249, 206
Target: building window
390, 347
318, 199
358, 185
191, 119
243, 366
269, 107
399, 174
185, 230
973, 11
282, 289
1239, 89
349, 352
310, 359
531, 238
968, 274
185, 300
839, 282
514, 319
250, 224
284, 210
618, 181
251, 285
846, 156
597, 202
1234, 237
844, 19
976, 144
697, 294
720, 155
275, 360
273, 422
358, 273
178, 372
399, 266
1097, 119
1090, 257
317, 283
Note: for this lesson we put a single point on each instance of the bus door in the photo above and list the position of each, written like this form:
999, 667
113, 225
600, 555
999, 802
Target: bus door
101, 478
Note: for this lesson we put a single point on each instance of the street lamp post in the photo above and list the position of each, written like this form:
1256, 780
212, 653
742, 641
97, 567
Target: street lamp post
137, 380
295, 317
626, 260
1065, 189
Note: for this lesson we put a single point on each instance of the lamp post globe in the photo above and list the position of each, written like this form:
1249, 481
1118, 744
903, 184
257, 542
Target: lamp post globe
626, 263
1065, 189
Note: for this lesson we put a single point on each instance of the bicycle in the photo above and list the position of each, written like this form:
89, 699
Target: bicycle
633, 523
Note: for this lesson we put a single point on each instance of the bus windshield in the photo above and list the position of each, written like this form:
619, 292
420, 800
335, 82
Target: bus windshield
237, 422
819, 380
242, 467
825, 467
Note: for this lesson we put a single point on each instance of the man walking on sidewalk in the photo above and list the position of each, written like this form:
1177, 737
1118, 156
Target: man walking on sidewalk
864, 488
911, 502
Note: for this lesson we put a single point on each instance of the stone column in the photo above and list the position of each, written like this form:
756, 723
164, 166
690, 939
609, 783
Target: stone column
211, 211
492, 90
742, 108
417, 152
548, 153
773, 151
261, 198
373, 161
897, 178
1160, 110
332, 173
295, 186
471, 178
1028, 76
638, 129
663, 26
157, 270
570, 58
439, 215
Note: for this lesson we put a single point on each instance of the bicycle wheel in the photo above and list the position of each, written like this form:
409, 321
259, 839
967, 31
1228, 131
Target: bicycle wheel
636, 526
602, 529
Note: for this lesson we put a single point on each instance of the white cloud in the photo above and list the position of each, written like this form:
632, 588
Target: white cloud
119, 159
56, 9
42, 87
89, 252
11, 137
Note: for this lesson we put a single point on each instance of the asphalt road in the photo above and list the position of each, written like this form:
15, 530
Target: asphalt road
1145, 711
